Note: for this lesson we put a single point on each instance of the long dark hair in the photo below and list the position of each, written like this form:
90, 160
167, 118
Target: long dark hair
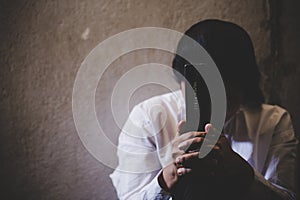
231, 48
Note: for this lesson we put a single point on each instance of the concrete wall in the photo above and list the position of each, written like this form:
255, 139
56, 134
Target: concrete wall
42, 46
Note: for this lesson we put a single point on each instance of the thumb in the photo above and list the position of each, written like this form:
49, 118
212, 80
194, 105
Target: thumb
180, 125
208, 127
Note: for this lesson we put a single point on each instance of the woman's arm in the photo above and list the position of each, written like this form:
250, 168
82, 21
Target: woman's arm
139, 166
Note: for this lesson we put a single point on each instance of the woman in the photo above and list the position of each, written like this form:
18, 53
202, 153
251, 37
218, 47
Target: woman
253, 159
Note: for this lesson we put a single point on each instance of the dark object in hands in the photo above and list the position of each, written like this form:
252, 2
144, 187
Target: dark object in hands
197, 99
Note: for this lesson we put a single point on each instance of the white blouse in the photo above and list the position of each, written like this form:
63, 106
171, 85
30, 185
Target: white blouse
264, 138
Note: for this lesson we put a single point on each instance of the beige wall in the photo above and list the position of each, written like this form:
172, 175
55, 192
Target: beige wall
42, 47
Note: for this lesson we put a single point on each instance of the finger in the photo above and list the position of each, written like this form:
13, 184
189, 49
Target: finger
213, 135
180, 125
180, 160
194, 144
191, 144
177, 153
207, 127
213, 131
215, 152
183, 171
213, 147
187, 136
199, 166
223, 142
193, 134
212, 151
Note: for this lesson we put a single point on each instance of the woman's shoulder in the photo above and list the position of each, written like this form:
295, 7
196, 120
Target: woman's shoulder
168, 101
275, 113
168, 98
268, 119
161, 107
280, 116
267, 111
275, 109
275, 117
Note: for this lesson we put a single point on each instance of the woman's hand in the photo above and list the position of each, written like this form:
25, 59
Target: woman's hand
185, 151
222, 163
189, 162
222, 160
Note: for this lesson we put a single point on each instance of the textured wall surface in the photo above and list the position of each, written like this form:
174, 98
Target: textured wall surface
42, 46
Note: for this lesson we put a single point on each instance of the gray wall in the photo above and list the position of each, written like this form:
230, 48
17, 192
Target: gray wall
42, 47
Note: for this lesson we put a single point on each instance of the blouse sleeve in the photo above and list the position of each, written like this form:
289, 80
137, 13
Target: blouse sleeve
139, 166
